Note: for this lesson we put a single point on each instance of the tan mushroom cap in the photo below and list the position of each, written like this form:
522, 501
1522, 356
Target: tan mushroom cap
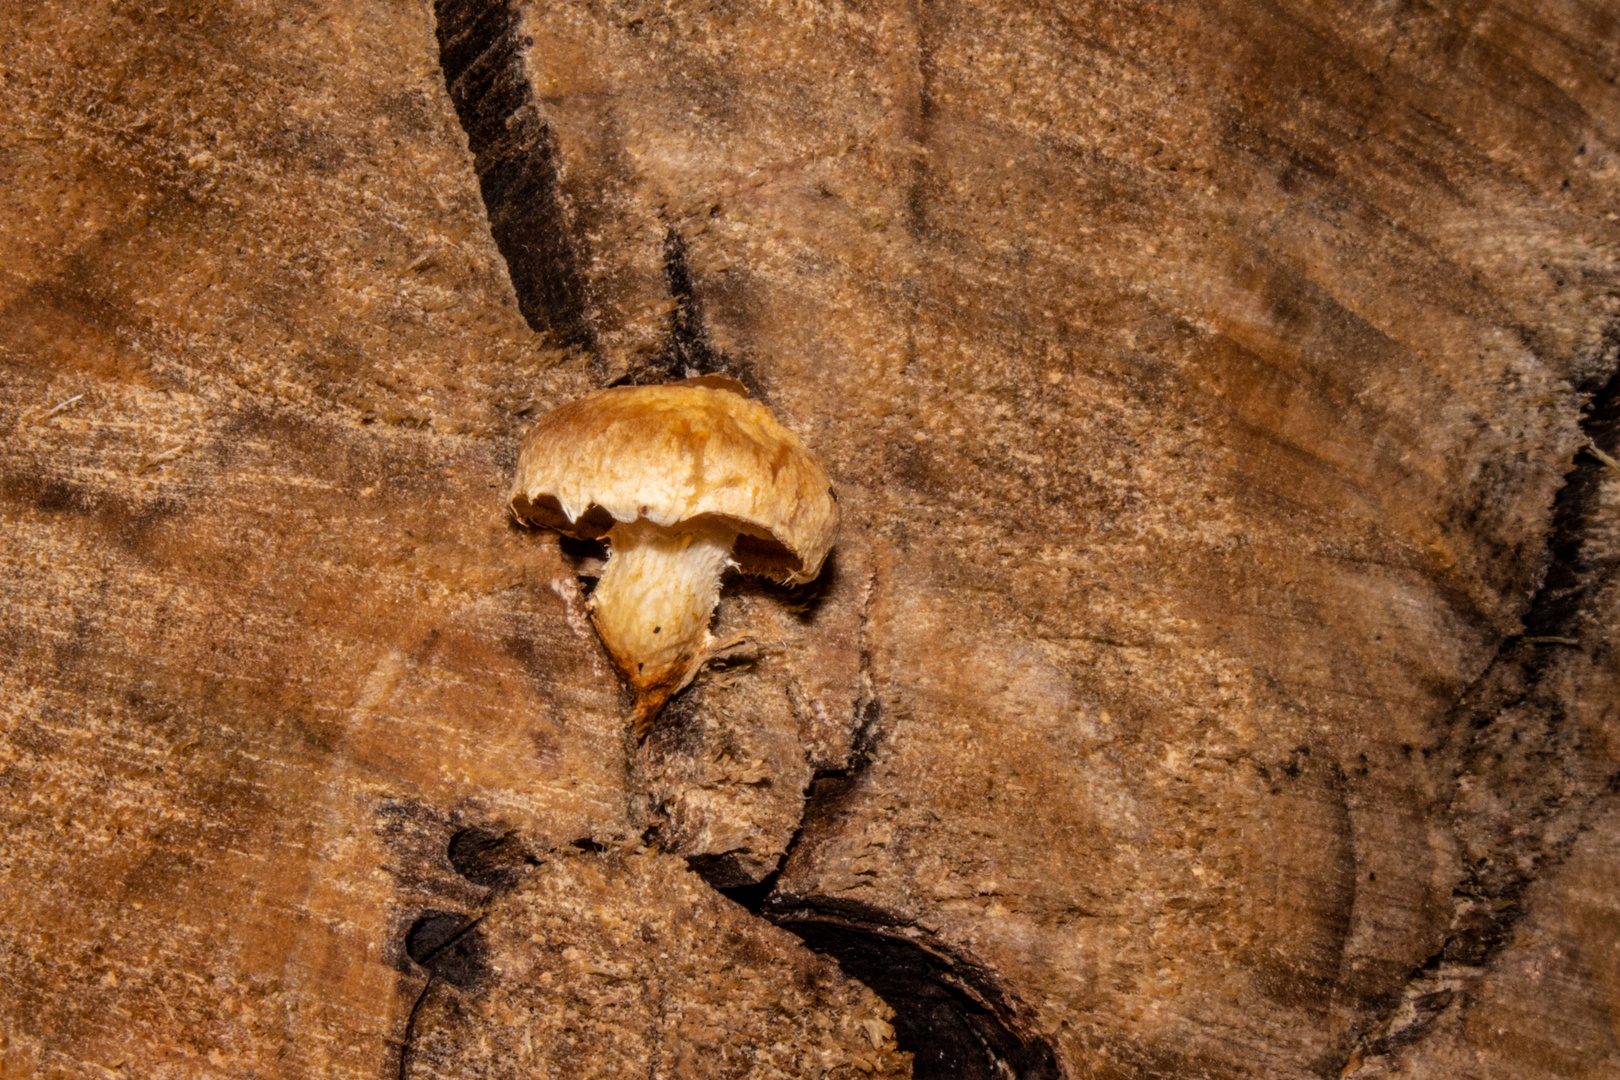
673, 454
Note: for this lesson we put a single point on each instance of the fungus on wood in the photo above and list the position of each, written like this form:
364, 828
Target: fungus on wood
683, 481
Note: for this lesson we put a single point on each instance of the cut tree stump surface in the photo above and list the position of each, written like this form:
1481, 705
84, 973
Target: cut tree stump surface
1214, 675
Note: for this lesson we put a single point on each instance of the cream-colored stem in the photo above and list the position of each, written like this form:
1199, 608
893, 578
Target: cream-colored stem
655, 598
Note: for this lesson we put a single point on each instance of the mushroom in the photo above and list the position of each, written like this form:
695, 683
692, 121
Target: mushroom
683, 481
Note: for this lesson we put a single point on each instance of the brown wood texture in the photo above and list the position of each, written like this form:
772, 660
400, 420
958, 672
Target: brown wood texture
1214, 676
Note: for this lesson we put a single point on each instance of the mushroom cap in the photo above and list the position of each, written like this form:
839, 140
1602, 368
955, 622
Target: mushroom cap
678, 453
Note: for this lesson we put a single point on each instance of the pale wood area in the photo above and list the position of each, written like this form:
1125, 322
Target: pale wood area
1213, 677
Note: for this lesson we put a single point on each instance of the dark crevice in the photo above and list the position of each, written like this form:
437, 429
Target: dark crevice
448, 945
410, 1028
514, 154
493, 860
863, 744
803, 600
727, 873
951, 1013
582, 554
1513, 739
689, 353
1555, 611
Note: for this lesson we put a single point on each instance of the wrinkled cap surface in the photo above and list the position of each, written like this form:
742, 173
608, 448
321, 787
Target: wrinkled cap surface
674, 454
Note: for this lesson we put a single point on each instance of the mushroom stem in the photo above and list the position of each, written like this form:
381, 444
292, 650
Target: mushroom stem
654, 601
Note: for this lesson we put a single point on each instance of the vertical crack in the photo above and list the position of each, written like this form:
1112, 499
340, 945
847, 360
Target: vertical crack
690, 352
1520, 796
514, 156
410, 1028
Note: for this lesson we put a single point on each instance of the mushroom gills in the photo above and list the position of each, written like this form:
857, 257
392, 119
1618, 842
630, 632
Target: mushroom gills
653, 603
